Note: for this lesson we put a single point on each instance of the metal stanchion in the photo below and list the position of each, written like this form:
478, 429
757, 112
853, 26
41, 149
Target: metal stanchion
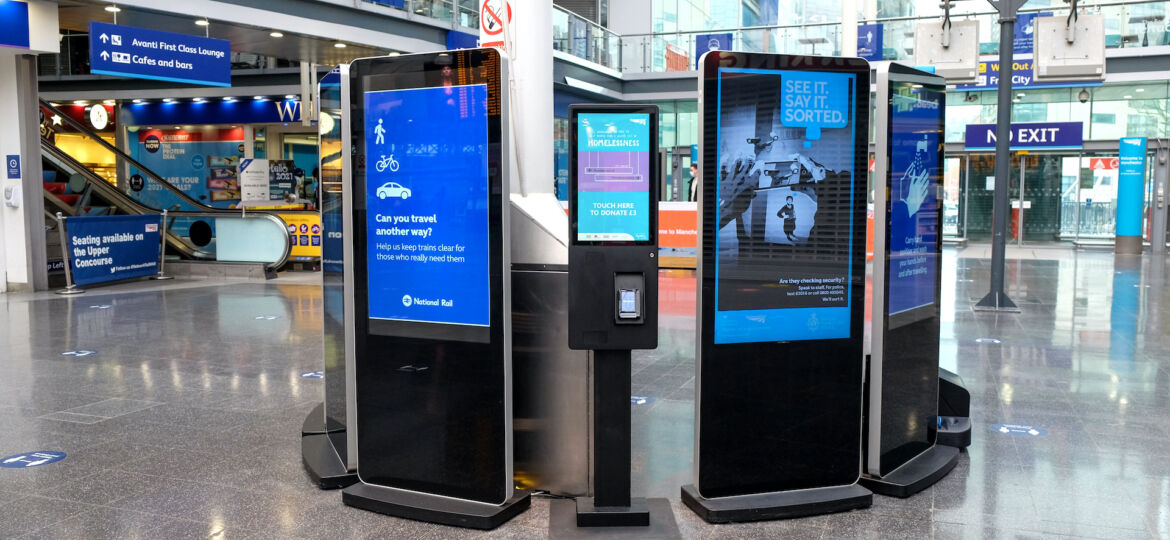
162, 250
70, 287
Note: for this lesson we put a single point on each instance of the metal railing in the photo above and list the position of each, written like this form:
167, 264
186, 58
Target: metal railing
585, 39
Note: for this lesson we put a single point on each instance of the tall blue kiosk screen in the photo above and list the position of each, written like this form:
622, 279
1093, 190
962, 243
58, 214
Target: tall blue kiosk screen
427, 205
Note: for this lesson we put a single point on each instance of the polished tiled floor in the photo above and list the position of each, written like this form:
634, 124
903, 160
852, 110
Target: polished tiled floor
185, 424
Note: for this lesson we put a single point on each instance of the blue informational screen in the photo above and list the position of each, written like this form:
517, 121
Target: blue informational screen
427, 205
613, 177
785, 229
915, 130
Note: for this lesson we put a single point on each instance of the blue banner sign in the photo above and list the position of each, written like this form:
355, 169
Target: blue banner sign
461, 40
143, 53
711, 42
111, 248
987, 78
869, 41
1030, 136
13, 24
232, 111
1131, 181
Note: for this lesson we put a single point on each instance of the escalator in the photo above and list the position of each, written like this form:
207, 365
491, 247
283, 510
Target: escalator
194, 231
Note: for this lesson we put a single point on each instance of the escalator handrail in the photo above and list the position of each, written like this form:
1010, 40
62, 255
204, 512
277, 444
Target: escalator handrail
182, 195
128, 204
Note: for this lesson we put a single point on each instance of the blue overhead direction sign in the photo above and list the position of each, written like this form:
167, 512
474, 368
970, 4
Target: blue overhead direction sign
152, 54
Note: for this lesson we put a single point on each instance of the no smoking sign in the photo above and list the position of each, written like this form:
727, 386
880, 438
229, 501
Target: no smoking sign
491, 16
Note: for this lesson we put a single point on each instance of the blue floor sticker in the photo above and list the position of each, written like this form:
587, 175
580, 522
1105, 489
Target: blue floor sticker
31, 459
267, 317
79, 353
640, 400
1018, 430
313, 375
990, 340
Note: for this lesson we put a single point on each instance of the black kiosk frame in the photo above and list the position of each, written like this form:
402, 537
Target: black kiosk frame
433, 395
613, 298
783, 146
901, 455
326, 454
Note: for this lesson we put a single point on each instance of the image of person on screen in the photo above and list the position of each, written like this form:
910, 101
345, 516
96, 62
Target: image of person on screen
913, 189
737, 191
788, 214
694, 182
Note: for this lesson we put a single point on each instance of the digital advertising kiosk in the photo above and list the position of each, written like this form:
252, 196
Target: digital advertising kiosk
325, 452
783, 152
903, 410
432, 313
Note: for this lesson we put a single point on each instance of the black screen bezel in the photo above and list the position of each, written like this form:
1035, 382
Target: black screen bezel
911, 335
778, 416
461, 401
651, 193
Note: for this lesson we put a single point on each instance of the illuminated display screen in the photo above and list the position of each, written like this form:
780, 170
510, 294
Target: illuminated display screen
785, 222
613, 177
427, 205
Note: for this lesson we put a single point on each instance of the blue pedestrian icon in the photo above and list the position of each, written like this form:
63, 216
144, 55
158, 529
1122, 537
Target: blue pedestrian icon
313, 375
79, 353
31, 459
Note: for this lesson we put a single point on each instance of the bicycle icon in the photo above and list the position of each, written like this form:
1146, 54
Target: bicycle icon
387, 162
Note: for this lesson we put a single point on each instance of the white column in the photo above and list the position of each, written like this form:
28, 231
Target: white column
848, 27
23, 264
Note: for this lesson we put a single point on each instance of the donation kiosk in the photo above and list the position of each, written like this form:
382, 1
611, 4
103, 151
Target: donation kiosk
903, 410
781, 299
613, 296
432, 313
325, 453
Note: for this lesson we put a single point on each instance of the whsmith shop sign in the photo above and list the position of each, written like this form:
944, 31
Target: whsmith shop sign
1030, 136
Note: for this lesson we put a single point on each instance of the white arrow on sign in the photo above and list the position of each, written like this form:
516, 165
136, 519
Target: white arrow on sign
1004, 430
104, 38
105, 55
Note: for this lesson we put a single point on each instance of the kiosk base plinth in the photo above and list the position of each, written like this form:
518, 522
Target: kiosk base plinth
917, 474
564, 515
778, 505
954, 431
315, 421
434, 508
322, 463
637, 514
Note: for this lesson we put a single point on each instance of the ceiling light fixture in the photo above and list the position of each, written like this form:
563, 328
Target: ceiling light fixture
113, 9
1139, 90
136, 100
274, 33
339, 45
289, 96
168, 100
202, 22
109, 102
81, 102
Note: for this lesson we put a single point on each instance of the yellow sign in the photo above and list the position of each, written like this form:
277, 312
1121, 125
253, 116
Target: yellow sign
304, 231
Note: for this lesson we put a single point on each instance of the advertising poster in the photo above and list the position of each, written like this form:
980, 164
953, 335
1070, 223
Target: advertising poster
304, 232
1023, 38
427, 205
284, 179
613, 177
111, 248
253, 178
1131, 181
200, 162
915, 129
785, 226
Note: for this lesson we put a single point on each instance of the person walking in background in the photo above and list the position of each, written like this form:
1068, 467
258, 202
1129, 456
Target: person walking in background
694, 182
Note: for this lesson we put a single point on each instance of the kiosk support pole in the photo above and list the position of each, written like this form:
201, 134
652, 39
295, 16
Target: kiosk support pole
611, 418
997, 299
